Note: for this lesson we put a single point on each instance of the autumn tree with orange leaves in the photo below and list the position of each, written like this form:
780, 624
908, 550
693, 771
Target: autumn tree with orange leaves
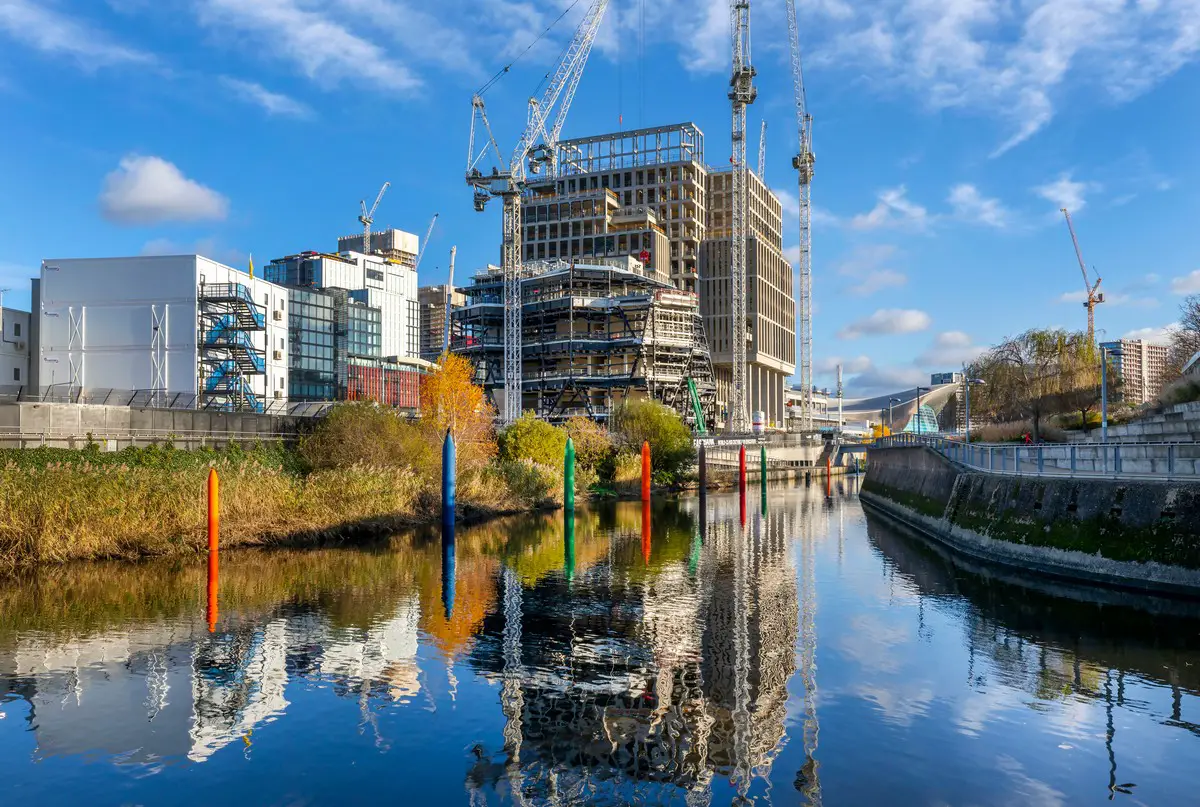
450, 399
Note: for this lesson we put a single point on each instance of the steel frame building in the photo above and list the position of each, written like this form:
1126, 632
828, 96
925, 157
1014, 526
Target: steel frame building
593, 336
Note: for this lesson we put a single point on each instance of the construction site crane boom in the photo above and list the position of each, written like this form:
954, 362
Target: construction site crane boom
803, 162
742, 93
367, 219
535, 151
1093, 295
449, 301
425, 243
762, 151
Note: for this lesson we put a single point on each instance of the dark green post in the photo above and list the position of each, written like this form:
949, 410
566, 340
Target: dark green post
569, 477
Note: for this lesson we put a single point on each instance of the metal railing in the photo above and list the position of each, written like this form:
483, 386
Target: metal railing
117, 439
1095, 460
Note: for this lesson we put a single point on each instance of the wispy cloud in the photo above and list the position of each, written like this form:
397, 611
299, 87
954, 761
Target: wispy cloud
39, 26
150, 190
1064, 191
969, 205
893, 209
274, 103
887, 321
1187, 284
852, 365
868, 267
950, 349
1158, 336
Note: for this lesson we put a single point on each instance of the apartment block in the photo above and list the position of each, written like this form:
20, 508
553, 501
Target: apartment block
433, 301
638, 194
770, 307
1141, 366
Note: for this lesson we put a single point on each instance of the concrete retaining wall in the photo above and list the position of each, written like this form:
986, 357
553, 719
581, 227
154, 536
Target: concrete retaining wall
62, 425
1138, 534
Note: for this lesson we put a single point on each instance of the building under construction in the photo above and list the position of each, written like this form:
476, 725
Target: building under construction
593, 336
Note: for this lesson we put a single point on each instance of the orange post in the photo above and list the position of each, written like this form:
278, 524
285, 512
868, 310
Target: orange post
646, 471
214, 509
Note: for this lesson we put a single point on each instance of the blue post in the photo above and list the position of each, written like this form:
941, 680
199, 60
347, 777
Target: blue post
448, 481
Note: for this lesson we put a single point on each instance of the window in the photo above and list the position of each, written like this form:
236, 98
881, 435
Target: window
17, 372
16, 329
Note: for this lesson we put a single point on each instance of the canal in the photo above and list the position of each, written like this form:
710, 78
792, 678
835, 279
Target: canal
815, 655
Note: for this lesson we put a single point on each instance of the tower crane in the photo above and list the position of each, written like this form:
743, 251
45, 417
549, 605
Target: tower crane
1094, 295
367, 219
762, 151
803, 162
535, 151
425, 243
742, 93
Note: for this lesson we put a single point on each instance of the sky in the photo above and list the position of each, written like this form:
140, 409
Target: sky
948, 134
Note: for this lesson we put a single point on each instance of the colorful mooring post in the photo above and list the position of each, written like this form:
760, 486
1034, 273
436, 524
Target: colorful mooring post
569, 477
448, 481
646, 471
214, 530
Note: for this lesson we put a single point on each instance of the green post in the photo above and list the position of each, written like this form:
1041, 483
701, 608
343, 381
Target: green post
569, 477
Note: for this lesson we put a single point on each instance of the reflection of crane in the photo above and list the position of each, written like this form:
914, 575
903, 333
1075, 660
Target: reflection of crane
808, 780
742, 92
425, 243
535, 150
803, 162
1093, 294
762, 151
367, 219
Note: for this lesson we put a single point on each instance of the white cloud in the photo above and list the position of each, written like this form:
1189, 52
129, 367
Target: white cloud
274, 103
887, 321
1159, 336
1065, 192
971, 206
322, 48
850, 366
150, 190
882, 380
950, 349
1187, 284
866, 266
1110, 300
892, 209
1010, 60
39, 26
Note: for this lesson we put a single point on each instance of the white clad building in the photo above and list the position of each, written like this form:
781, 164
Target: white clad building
169, 326
14, 348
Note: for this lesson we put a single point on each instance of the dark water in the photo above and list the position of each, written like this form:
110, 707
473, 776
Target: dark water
815, 656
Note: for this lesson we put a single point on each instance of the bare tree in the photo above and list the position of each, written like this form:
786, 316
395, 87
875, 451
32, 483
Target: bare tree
1185, 340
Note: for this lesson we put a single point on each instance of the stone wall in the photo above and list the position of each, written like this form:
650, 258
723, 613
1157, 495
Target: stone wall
1131, 533
62, 425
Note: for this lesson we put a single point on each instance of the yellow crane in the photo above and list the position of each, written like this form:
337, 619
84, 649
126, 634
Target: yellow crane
1094, 295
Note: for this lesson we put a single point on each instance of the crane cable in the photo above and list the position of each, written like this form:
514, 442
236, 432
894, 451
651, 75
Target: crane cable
529, 47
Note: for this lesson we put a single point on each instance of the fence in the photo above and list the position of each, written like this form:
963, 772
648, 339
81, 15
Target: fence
117, 440
1106, 460
145, 399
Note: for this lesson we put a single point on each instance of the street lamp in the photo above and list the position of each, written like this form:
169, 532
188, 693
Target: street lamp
1105, 352
919, 391
891, 417
967, 384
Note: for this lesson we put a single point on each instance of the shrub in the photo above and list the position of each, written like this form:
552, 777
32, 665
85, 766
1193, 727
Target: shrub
528, 438
671, 449
1181, 390
1014, 432
532, 484
363, 433
593, 444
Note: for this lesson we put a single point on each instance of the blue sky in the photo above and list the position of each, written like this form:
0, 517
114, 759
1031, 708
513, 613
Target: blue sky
948, 134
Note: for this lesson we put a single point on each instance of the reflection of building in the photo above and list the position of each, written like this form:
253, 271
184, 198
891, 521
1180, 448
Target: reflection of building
1140, 365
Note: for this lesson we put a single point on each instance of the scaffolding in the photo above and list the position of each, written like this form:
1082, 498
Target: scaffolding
229, 359
593, 336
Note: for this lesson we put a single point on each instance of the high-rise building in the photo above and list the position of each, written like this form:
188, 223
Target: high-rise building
1140, 365
638, 193
433, 301
771, 307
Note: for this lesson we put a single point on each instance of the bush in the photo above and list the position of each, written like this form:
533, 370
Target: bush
532, 484
363, 433
528, 438
593, 444
671, 449
1181, 390
1014, 432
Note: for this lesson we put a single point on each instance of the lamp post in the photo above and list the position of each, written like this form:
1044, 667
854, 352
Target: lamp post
1105, 352
967, 384
919, 391
891, 417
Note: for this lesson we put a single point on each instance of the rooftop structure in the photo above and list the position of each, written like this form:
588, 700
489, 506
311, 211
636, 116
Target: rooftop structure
593, 336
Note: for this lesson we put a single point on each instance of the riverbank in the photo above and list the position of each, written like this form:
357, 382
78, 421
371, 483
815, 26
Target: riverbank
1138, 535
58, 505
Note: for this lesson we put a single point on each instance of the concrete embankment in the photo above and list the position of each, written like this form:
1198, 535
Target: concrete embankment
1133, 534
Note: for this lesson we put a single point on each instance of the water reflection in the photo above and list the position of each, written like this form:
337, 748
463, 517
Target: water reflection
621, 654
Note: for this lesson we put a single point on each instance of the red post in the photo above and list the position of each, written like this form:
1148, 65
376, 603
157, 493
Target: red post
646, 471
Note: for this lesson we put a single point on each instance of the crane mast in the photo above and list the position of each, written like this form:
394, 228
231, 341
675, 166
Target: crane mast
803, 162
367, 219
535, 151
1094, 295
742, 93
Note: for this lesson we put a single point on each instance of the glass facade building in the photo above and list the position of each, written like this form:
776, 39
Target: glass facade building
328, 332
